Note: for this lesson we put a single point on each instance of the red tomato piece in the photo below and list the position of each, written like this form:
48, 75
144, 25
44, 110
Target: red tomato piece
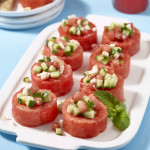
59, 86
55, 125
81, 127
130, 45
38, 115
34, 3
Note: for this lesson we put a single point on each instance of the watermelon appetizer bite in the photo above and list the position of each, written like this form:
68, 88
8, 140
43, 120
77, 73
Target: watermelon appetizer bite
82, 30
84, 116
111, 57
68, 50
123, 35
53, 74
102, 79
31, 109
34, 3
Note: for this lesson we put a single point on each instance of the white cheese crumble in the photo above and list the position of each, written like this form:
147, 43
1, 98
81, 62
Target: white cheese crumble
74, 42
105, 54
79, 22
61, 45
72, 16
44, 75
111, 45
93, 80
26, 91
94, 29
50, 43
116, 55
94, 70
129, 26
87, 27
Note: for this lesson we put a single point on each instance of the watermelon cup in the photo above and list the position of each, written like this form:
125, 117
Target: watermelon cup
103, 79
40, 113
81, 122
79, 29
68, 50
123, 35
52, 74
111, 58
34, 3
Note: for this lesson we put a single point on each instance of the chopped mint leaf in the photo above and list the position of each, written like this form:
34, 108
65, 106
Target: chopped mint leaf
116, 109
90, 104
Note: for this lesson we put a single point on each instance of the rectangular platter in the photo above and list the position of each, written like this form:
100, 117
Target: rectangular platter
136, 94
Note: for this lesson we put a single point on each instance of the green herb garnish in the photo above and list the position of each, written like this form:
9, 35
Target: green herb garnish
116, 109
90, 104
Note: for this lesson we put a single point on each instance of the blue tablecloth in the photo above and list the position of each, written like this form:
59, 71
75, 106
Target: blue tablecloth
13, 45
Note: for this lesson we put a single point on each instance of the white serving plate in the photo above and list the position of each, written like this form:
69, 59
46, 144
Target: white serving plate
136, 95
18, 10
47, 17
33, 18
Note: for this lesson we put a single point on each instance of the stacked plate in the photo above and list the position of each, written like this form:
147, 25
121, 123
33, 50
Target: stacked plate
20, 19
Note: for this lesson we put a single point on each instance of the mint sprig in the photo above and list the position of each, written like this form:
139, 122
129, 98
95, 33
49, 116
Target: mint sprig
116, 109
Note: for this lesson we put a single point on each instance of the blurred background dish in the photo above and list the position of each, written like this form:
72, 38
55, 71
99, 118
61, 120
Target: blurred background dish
42, 16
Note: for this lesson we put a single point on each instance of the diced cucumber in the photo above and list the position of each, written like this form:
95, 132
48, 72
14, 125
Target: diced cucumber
105, 60
113, 82
114, 76
86, 98
37, 69
20, 94
89, 114
99, 58
103, 71
107, 83
99, 83
111, 27
26, 80
53, 39
21, 99
84, 22
27, 9
70, 108
46, 96
67, 51
42, 51
76, 111
65, 38
120, 61
107, 76
64, 22
30, 102
51, 68
72, 30
55, 74
60, 106
79, 102
41, 60
86, 80
73, 47
55, 48
44, 66
58, 131
86, 73
78, 32
126, 32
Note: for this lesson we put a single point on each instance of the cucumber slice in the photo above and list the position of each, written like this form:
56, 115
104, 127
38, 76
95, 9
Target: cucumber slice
99, 58
84, 22
46, 96
55, 74
67, 51
51, 68
30, 102
105, 60
26, 80
58, 131
44, 66
86, 80
103, 71
72, 30
37, 69
21, 99
99, 83
89, 114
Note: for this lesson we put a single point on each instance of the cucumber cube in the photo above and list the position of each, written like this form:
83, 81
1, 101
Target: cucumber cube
65, 38
46, 96
67, 51
55, 74
26, 80
21, 99
72, 30
51, 68
89, 114
86, 73
37, 69
99, 58
86, 80
53, 39
70, 108
107, 83
103, 71
76, 111
84, 22
86, 98
105, 60
30, 102
99, 83
58, 131
64, 22
44, 66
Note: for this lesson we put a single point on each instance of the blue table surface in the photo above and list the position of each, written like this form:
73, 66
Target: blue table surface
14, 43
